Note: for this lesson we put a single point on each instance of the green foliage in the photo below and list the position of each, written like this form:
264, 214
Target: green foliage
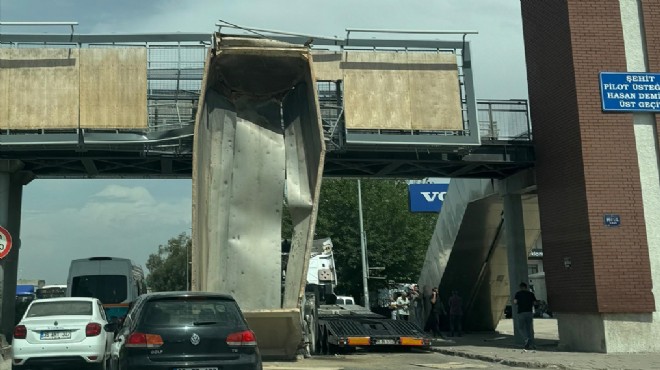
167, 267
396, 239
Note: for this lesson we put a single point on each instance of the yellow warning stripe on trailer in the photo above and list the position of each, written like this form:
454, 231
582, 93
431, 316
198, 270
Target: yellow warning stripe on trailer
359, 341
409, 341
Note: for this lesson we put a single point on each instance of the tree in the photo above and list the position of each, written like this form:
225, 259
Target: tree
396, 238
167, 267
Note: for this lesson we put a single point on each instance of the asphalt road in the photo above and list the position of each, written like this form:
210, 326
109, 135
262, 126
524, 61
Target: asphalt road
369, 360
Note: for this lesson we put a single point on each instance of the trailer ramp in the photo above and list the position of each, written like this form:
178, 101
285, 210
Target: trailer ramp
346, 327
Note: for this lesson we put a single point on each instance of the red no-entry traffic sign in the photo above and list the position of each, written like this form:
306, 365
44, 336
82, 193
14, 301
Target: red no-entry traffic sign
5, 242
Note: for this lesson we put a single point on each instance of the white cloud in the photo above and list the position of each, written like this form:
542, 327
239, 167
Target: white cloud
136, 194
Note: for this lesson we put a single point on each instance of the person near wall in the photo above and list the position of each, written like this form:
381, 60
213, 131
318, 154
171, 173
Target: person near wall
455, 314
417, 302
525, 301
437, 310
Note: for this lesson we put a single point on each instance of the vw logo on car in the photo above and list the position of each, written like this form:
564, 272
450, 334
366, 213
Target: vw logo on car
194, 339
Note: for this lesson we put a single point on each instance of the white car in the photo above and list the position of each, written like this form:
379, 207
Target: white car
68, 332
344, 300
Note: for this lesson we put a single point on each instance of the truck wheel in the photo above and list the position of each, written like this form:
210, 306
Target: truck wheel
324, 343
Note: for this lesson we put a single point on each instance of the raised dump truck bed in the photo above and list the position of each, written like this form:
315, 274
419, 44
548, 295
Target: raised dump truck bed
348, 327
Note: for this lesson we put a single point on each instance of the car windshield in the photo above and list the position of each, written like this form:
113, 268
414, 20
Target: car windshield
191, 311
60, 308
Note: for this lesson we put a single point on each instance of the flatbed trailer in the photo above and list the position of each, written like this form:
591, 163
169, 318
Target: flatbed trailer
345, 328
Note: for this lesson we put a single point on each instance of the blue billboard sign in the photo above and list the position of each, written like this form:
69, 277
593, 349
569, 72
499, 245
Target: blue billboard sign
427, 197
630, 91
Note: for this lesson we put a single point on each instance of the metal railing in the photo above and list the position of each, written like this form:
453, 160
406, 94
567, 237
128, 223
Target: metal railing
174, 78
504, 120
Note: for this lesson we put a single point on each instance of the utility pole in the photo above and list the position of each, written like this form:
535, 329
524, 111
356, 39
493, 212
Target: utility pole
363, 247
187, 268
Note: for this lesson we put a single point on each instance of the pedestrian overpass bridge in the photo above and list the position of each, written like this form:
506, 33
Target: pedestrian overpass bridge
124, 106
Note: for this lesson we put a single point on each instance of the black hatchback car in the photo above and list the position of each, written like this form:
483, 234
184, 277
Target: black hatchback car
185, 331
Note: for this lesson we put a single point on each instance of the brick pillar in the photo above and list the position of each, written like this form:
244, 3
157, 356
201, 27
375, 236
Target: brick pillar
651, 19
587, 167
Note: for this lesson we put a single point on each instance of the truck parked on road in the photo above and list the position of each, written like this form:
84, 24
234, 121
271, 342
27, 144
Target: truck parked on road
333, 326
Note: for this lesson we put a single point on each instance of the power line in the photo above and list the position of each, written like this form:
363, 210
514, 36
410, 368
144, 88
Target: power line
242, 28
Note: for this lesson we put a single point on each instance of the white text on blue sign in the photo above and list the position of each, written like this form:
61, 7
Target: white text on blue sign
630, 92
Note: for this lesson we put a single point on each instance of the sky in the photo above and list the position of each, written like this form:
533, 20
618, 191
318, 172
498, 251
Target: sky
67, 219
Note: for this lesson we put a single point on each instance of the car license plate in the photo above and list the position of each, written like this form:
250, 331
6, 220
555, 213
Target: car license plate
385, 341
195, 368
51, 335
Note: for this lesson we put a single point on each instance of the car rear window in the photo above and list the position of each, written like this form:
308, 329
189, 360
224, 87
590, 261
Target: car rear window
108, 289
191, 311
60, 308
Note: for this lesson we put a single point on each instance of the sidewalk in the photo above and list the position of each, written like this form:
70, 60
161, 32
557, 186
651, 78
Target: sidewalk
499, 347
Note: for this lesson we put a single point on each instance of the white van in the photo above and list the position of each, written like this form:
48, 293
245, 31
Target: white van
116, 282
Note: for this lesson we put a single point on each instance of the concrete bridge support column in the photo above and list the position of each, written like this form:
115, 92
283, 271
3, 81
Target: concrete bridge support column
514, 229
511, 190
11, 191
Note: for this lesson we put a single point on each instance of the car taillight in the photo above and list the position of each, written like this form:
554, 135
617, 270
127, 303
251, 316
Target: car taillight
141, 340
93, 329
20, 332
243, 338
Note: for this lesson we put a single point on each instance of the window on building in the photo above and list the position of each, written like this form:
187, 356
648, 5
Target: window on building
532, 269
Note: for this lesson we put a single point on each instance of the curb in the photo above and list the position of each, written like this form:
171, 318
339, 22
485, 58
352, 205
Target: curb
499, 360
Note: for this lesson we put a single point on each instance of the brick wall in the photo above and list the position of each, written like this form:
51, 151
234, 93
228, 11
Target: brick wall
560, 178
651, 17
587, 161
621, 259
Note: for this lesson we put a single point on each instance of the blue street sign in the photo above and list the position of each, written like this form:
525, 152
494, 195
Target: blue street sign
630, 91
427, 197
612, 220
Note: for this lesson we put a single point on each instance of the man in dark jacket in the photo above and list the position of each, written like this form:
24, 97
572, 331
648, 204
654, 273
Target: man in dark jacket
437, 309
525, 301
455, 314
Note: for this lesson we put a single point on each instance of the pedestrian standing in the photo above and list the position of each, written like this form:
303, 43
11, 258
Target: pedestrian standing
403, 307
417, 302
426, 310
393, 305
437, 309
525, 301
455, 314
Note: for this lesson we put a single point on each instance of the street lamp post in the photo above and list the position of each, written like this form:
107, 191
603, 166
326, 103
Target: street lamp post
363, 248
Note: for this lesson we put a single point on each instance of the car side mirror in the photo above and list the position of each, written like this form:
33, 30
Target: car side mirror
110, 327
